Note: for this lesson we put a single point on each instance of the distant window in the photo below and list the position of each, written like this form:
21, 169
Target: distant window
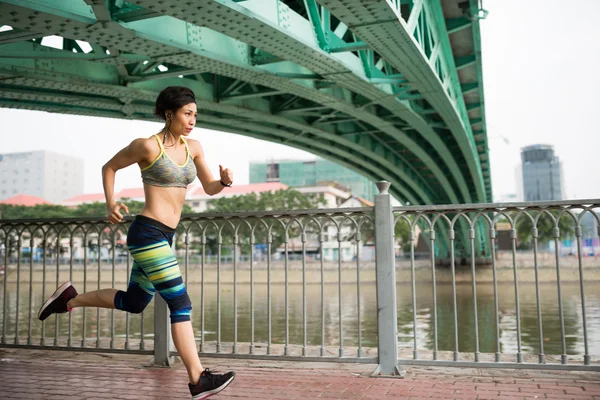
196, 204
272, 172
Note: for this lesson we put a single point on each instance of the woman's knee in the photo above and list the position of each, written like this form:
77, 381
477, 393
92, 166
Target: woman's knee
180, 307
133, 301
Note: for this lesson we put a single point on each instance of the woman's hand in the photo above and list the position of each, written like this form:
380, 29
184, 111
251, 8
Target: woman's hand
114, 214
226, 175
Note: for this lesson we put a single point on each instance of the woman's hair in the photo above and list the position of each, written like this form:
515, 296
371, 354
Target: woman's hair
173, 98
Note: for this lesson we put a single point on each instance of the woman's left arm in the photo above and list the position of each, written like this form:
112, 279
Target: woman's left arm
210, 185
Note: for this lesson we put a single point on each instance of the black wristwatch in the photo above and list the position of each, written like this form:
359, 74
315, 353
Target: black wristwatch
223, 184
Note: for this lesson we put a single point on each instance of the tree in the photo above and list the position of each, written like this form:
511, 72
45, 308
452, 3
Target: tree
284, 199
545, 227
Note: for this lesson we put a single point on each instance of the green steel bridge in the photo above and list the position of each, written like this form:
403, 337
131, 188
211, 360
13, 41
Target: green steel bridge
389, 88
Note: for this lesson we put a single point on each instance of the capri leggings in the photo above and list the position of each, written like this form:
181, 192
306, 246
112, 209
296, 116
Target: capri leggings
154, 269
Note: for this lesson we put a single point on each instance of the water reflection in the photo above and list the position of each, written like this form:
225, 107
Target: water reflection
425, 335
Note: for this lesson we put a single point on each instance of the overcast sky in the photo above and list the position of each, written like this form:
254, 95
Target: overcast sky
540, 66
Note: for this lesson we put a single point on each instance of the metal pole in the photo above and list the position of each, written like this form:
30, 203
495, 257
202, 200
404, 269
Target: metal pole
387, 320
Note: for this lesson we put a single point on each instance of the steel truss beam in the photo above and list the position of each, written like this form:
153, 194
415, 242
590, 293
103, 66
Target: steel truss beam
424, 58
224, 60
280, 37
131, 102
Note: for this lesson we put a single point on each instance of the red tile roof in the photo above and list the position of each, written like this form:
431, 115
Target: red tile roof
243, 189
135, 193
24, 200
365, 202
84, 198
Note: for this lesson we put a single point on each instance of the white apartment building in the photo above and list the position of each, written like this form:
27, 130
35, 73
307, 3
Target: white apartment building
51, 176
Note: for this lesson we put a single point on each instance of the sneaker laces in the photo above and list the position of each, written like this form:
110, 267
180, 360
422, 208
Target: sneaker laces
211, 377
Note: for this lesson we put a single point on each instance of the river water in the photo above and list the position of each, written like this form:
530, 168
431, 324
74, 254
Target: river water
573, 323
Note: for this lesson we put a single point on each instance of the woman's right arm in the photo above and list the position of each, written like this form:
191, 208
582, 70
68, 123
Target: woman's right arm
135, 152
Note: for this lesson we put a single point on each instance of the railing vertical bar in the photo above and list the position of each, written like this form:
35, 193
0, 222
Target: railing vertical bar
563, 357
513, 237
269, 326
112, 311
414, 290
98, 287
498, 355
287, 315
4, 294
44, 255
541, 356
304, 334
434, 292
56, 320
474, 288
202, 311
235, 299
252, 252
321, 241
31, 244
219, 248
127, 322
85, 265
18, 299
358, 315
340, 312
71, 258
451, 235
586, 356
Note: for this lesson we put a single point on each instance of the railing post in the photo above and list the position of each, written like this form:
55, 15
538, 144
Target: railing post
387, 321
163, 342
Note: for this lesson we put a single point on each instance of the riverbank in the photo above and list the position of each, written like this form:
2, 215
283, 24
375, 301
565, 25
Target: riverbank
547, 273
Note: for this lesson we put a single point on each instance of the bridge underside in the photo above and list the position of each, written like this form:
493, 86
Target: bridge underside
391, 89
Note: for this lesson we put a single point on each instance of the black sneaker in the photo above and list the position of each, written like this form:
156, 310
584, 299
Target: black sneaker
57, 303
210, 384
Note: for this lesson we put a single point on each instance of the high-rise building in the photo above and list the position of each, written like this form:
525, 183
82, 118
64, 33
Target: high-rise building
542, 173
51, 176
311, 173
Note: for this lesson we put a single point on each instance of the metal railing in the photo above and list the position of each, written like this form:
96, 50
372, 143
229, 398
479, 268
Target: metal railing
263, 287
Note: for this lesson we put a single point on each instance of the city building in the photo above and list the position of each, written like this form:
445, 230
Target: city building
542, 174
297, 174
51, 176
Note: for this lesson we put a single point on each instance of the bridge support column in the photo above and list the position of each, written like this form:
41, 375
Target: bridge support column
387, 318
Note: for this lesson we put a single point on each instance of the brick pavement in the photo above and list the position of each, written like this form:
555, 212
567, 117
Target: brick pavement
34, 374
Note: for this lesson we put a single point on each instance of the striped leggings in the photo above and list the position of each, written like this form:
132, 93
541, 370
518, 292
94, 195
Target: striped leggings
154, 269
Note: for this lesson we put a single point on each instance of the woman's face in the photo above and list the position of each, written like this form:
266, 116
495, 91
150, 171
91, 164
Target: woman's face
184, 120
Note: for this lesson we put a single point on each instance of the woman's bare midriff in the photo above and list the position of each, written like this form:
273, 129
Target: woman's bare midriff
164, 204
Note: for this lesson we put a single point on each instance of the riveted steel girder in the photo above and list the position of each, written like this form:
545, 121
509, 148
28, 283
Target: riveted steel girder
233, 118
206, 57
273, 27
63, 87
395, 42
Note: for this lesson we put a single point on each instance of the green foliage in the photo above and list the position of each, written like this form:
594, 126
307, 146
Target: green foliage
96, 209
545, 226
287, 199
